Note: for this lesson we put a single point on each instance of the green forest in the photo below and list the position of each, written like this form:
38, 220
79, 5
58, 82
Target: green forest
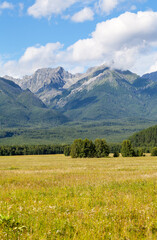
31, 150
145, 138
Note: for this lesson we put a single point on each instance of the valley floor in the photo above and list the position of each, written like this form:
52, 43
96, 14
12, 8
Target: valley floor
56, 197
114, 131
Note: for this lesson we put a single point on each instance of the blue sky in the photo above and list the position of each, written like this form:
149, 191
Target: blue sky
77, 34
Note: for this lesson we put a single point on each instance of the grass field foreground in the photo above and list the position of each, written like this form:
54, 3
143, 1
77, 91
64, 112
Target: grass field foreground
56, 197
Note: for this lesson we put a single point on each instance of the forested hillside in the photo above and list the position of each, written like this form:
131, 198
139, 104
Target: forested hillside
145, 138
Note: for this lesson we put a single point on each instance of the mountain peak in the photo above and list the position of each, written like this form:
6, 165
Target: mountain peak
49, 70
60, 69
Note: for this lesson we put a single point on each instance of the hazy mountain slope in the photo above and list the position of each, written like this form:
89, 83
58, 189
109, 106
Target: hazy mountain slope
22, 108
141, 83
147, 88
146, 81
11, 111
151, 76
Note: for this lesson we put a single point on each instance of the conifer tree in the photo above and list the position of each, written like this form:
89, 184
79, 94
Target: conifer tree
127, 150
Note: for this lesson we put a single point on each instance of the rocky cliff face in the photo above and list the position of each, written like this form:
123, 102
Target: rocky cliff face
46, 83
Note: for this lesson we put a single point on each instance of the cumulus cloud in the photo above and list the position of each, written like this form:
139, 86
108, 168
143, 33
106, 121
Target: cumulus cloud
45, 8
84, 15
6, 5
125, 34
33, 58
127, 42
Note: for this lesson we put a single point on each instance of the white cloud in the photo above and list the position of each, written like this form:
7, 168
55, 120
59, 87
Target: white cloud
153, 68
107, 5
84, 15
129, 33
46, 8
33, 59
6, 5
127, 42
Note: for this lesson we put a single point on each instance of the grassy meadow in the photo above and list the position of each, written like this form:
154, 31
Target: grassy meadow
56, 197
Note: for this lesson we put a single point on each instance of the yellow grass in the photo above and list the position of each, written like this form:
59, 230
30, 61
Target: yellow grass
56, 197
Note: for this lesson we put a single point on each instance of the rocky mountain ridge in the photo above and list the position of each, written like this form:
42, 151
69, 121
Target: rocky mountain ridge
100, 93
46, 82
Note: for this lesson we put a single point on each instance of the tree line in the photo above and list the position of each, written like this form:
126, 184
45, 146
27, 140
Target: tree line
79, 149
31, 150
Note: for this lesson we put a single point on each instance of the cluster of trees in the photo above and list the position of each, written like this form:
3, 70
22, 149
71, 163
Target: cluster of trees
31, 150
128, 151
99, 148
86, 148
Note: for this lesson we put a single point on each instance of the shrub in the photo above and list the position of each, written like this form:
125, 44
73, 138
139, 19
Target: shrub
139, 152
67, 150
116, 154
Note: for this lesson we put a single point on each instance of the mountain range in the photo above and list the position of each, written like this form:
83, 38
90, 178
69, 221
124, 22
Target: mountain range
56, 96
